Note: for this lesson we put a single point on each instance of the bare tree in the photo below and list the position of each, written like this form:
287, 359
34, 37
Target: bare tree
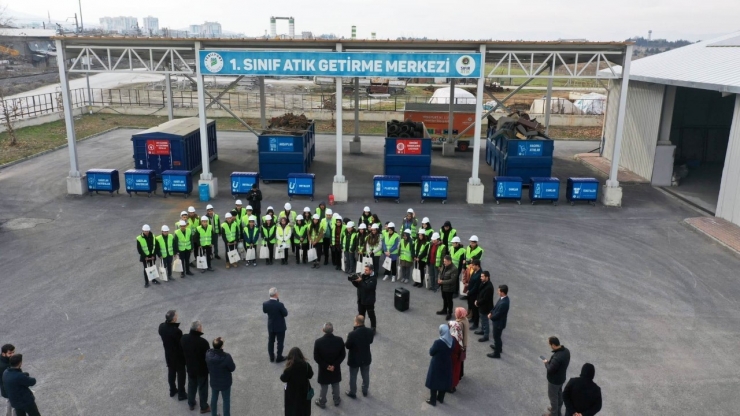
9, 111
5, 19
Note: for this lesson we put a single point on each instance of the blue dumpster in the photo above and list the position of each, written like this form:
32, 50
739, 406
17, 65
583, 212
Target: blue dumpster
241, 182
386, 186
507, 188
177, 182
582, 189
301, 184
105, 180
544, 189
434, 187
408, 158
282, 154
140, 180
204, 193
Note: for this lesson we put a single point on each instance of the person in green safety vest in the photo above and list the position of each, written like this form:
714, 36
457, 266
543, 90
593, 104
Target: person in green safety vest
316, 237
437, 251
447, 233
474, 251
241, 212
349, 247
283, 236
146, 245
183, 217
457, 252
268, 236
204, 240
251, 235
307, 215
249, 213
406, 256
361, 241
321, 209
193, 221
215, 223
366, 217
391, 247
375, 245
271, 212
288, 214
337, 229
421, 254
427, 227
326, 224
184, 246
409, 221
300, 239
166, 249
231, 236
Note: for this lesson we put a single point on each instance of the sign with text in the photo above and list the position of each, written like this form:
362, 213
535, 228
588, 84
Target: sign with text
408, 147
281, 144
341, 64
158, 147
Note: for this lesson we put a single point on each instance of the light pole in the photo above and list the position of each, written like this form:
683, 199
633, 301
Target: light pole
82, 27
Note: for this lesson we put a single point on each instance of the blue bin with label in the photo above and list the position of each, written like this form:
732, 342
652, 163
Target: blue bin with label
507, 188
140, 180
204, 193
582, 189
387, 186
544, 189
434, 187
301, 184
105, 180
177, 182
282, 154
241, 182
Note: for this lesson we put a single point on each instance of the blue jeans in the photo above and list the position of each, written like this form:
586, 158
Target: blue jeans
227, 401
484, 324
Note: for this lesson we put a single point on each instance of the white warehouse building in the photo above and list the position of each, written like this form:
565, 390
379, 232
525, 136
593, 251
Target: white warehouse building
683, 108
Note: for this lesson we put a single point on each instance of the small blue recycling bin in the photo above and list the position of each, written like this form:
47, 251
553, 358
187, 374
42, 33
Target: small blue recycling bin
241, 182
582, 189
387, 186
301, 184
434, 187
204, 193
544, 189
177, 182
507, 188
105, 180
141, 180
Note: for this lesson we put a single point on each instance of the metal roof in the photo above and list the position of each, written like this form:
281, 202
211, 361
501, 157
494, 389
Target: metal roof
712, 64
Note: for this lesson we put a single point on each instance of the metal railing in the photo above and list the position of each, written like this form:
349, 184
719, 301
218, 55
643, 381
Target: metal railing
40, 104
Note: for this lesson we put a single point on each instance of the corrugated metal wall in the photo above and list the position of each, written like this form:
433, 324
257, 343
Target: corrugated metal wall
641, 124
728, 204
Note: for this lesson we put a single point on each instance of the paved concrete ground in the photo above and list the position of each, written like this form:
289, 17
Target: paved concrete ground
650, 302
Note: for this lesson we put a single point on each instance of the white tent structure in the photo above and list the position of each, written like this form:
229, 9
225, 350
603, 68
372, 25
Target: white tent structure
442, 96
591, 103
557, 106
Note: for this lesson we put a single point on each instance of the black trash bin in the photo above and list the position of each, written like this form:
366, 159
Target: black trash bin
401, 299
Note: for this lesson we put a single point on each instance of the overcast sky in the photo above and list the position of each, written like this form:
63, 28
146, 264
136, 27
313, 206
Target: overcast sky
443, 19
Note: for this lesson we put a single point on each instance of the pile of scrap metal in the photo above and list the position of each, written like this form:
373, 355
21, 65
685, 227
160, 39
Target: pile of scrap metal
288, 124
518, 125
405, 129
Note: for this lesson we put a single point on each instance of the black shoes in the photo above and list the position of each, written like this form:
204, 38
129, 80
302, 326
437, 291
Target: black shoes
181, 398
463, 298
155, 281
442, 312
352, 395
189, 273
474, 327
280, 359
493, 355
318, 403
448, 317
146, 284
429, 402
173, 393
477, 332
272, 359
217, 257
484, 339
210, 269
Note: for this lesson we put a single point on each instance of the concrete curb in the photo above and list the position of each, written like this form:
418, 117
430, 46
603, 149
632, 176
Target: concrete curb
708, 236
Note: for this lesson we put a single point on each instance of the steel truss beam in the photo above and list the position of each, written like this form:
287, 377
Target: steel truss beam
576, 65
161, 60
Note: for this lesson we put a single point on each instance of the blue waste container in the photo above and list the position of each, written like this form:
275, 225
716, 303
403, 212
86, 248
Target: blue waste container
177, 182
434, 187
387, 186
507, 188
301, 184
105, 180
241, 182
582, 189
141, 180
204, 193
544, 189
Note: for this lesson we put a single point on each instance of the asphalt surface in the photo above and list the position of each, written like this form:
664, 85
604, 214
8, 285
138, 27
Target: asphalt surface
652, 304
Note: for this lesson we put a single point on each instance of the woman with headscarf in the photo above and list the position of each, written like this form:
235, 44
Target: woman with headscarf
439, 375
296, 377
459, 329
316, 236
366, 217
581, 395
374, 245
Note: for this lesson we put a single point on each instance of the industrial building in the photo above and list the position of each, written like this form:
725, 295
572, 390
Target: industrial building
682, 123
28, 45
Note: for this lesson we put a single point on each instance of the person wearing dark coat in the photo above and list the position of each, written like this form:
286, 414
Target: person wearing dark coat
194, 347
7, 351
296, 377
360, 358
484, 304
498, 317
439, 375
448, 280
474, 285
17, 387
220, 366
366, 285
276, 326
328, 352
581, 396
146, 246
171, 335
557, 367
254, 197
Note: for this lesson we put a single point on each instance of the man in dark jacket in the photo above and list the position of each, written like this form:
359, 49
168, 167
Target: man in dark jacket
254, 197
7, 351
171, 335
366, 285
473, 288
581, 396
220, 366
194, 348
17, 385
484, 303
328, 352
358, 344
498, 318
556, 366
276, 327
146, 245
448, 280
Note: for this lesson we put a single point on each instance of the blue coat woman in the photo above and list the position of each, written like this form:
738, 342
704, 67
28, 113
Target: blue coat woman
439, 375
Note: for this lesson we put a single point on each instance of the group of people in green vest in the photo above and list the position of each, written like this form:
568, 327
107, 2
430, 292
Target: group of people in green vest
310, 235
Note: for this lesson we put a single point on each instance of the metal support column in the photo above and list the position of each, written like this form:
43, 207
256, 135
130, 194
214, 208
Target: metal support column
168, 97
76, 183
475, 188
548, 104
206, 176
448, 146
263, 100
612, 192
89, 92
340, 187
355, 146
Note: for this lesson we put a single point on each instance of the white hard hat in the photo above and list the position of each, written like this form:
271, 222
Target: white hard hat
307, 209
474, 238
425, 220
146, 228
407, 231
270, 208
287, 206
268, 217
391, 225
209, 206
375, 226
421, 232
362, 226
252, 218
455, 239
336, 217
191, 209
366, 209
238, 202
165, 228
228, 215
316, 216
350, 224
183, 213
410, 211
249, 208
435, 236
204, 218
329, 211
183, 223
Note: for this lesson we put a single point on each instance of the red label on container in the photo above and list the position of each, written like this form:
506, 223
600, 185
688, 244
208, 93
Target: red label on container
158, 147
408, 147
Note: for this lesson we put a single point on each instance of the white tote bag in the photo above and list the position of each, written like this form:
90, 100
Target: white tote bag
250, 254
234, 256
462, 288
279, 253
201, 262
177, 265
264, 252
152, 272
312, 256
360, 268
416, 274
162, 271
367, 260
428, 278
387, 263
240, 247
